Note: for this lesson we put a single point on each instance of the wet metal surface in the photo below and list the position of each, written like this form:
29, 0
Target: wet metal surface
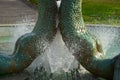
108, 35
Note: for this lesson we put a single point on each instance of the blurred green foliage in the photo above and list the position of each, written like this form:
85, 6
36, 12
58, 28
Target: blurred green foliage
102, 11
34, 1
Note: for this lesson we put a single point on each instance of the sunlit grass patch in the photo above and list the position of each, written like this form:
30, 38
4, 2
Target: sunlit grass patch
101, 12
34, 1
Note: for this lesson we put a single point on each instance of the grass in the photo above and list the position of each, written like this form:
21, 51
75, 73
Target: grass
34, 1
100, 11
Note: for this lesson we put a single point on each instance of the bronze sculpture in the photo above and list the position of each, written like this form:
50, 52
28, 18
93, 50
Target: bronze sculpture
30, 45
86, 48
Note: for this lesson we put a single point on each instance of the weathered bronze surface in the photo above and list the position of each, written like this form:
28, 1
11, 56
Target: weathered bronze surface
30, 45
86, 48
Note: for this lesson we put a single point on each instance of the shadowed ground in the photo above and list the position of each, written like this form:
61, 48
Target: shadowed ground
19, 76
15, 11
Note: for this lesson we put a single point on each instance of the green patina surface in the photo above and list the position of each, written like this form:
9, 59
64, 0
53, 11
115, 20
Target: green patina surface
30, 45
85, 46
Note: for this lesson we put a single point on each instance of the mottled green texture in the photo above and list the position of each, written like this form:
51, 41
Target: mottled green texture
70, 15
30, 45
34, 1
86, 48
101, 12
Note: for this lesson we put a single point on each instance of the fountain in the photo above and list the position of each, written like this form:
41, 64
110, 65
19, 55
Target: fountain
57, 62
30, 45
86, 48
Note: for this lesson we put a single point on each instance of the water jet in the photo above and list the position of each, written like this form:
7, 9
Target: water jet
58, 63
32, 44
85, 46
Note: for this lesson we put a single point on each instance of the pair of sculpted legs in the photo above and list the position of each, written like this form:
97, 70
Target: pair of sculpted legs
85, 47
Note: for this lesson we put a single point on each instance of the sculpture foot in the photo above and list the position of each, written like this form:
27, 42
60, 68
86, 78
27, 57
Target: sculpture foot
117, 69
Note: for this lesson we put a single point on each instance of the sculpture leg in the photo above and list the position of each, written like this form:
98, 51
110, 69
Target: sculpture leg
86, 48
117, 69
30, 45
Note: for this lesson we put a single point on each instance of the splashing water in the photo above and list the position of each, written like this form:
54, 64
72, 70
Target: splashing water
23, 26
57, 57
110, 38
11, 32
19, 30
